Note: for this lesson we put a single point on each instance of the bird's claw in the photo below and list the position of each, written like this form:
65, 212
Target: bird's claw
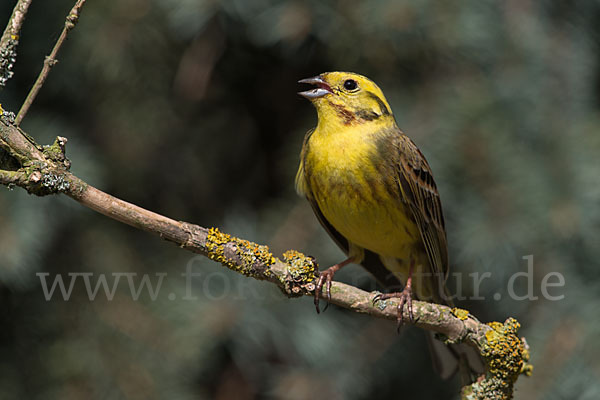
405, 300
376, 298
405, 297
325, 278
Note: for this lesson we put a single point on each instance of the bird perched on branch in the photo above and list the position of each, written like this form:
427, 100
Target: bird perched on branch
373, 191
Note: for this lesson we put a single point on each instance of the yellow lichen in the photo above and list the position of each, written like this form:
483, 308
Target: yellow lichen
506, 356
253, 259
301, 273
460, 313
526, 369
301, 268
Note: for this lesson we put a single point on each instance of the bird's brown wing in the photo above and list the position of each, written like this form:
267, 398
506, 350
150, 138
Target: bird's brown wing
420, 194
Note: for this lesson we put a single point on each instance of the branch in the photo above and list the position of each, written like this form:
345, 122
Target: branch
44, 171
10, 40
50, 60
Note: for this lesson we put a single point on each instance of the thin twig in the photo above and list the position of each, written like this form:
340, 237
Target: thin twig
50, 60
47, 172
10, 40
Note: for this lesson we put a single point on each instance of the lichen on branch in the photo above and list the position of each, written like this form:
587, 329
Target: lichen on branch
44, 170
10, 39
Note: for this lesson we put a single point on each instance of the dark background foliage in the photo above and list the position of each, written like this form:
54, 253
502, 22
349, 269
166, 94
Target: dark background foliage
188, 108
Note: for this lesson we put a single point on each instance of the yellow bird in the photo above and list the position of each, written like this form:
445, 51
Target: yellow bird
373, 191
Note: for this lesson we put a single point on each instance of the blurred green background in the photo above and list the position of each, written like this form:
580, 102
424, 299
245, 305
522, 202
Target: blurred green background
189, 108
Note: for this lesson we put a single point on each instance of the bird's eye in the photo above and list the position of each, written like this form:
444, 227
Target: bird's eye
350, 84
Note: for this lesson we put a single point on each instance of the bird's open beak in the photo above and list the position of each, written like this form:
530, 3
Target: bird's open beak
322, 88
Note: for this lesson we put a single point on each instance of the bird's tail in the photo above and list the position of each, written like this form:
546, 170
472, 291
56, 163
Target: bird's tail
446, 358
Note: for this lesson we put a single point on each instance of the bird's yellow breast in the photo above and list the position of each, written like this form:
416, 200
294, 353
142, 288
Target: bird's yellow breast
355, 192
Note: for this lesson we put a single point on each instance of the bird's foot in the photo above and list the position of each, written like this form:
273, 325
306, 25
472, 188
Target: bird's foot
325, 278
405, 297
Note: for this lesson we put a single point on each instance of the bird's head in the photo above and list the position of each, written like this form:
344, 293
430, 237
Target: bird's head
350, 98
